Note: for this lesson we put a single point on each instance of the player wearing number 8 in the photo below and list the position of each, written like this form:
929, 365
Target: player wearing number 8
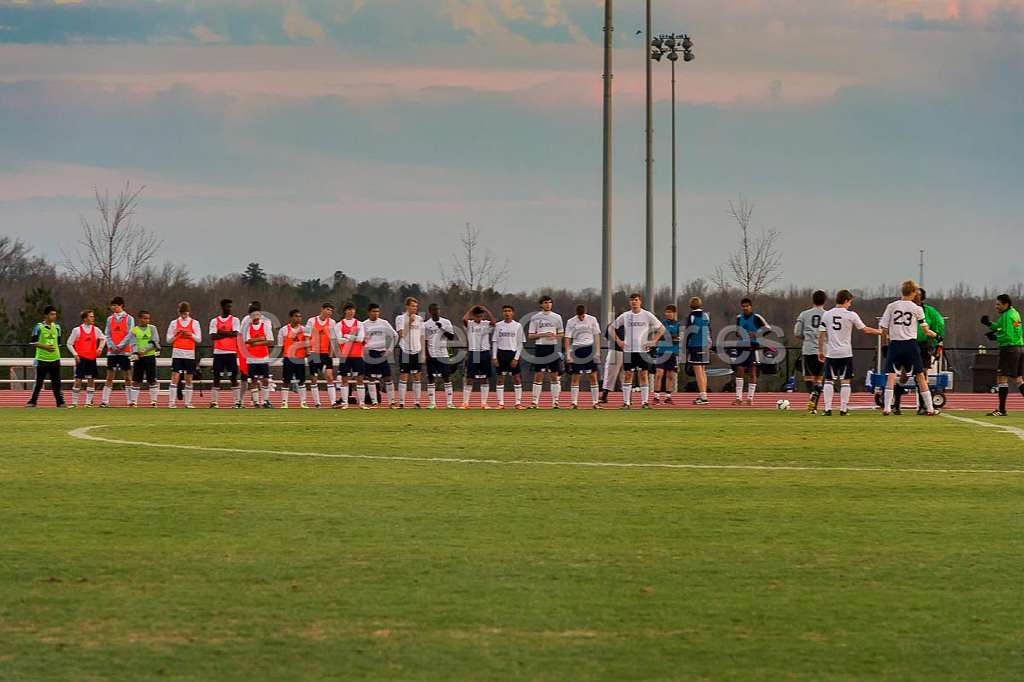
900, 323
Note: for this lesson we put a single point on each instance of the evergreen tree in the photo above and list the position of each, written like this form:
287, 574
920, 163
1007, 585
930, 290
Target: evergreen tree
254, 275
30, 314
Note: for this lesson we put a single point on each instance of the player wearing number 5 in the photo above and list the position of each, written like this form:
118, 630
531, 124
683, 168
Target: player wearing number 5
835, 349
900, 323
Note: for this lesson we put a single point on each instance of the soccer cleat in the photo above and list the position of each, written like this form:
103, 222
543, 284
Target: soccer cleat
364, 407
701, 401
886, 413
533, 406
827, 413
668, 400
190, 407
554, 406
303, 406
657, 400
284, 406
597, 406
172, 407
104, 405
154, 406
499, 407
996, 413
750, 402
88, 405
843, 413
921, 412
812, 406
738, 401
214, 406
932, 414
645, 406
897, 411
30, 405
574, 406
238, 406
267, 405
133, 404
624, 407
485, 407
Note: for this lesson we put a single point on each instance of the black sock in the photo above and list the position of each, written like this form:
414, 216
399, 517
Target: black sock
1004, 391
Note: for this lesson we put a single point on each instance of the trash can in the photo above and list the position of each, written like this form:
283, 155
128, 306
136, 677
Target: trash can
984, 372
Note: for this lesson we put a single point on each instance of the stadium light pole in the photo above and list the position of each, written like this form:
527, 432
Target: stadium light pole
649, 231
606, 194
669, 45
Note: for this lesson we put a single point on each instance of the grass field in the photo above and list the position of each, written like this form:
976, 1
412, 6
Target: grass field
122, 561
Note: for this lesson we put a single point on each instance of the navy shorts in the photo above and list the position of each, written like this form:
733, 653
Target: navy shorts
668, 362
376, 366
320, 365
409, 363
547, 359
584, 360
836, 369
439, 368
86, 369
505, 359
183, 365
744, 357
144, 370
119, 362
225, 364
293, 371
478, 364
812, 365
350, 366
698, 356
903, 356
634, 361
259, 370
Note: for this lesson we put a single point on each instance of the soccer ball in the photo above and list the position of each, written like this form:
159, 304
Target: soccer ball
782, 405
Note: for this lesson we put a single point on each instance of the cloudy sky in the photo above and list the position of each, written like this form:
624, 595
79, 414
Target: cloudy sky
315, 135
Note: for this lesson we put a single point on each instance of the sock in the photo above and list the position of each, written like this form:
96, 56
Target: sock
284, 396
704, 395
830, 392
887, 400
449, 394
254, 393
417, 393
537, 388
133, 395
751, 390
403, 388
432, 394
316, 393
74, 395
844, 396
188, 396
627, 393
1021, 387
172, 395
500, 389
389, 392
556, 390
154, 393
302, 394
739, 389
926, 397
485, 391
898, 392
361, 394
574, 394
645, 393
1002, 389
344, 393
106, 395
331, 394
594, 393
236, 394
265, 394
372, 388
214, 396
518, 388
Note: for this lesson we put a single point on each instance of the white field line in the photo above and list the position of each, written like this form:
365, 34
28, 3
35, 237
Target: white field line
84, 433
1019, 432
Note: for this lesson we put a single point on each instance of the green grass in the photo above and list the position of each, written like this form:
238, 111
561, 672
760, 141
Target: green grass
127, 562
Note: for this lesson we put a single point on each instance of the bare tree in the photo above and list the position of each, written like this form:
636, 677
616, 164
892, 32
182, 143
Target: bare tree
476, 269
114, 250
756, 264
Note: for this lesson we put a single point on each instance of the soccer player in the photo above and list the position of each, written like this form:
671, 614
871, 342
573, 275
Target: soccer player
119, 325
666, 374
479, 324
808, 326
145, 348
1009, 334
750, 325
899, 323
293, 342
380, 339
612, 360
258, 337
931, 348
698, 347
641, 331
85, 343
835, 349
545, 329
322, 334
582, 354
506, 352
351, 339
437, 333
183, 333
46, 341
409, 326
224, 331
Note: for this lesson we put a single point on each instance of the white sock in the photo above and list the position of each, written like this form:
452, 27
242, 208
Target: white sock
361, 394
389, 392
537, 388
595, 393
188, 395
556, 390
254, 393
154, 393
403, 388
739, 389
704, 395
214, 395
432, 394
284, 396
449, 394
331, 395
844, 396
265, 394
302, 394
887, 402
172, 395
75, 392
751, 390
344, 393
927, 398
485, 391
467, 390
372, 388
500, 390
645, 393
236, 394
627, 393
518, 388
417, 393
828, 392
316, 393
106, 395
574, 394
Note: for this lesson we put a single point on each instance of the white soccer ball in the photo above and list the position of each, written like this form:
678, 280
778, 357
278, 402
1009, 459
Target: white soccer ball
782, 405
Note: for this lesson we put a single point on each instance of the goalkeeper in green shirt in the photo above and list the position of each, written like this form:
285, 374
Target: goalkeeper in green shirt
1006, 330
931, 348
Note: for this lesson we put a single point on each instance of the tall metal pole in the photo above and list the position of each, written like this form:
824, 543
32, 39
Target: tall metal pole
920, 273
649, 234
675, 295
606, 195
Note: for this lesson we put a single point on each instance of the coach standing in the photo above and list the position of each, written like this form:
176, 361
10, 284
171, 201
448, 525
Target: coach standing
1008, 333
46, 339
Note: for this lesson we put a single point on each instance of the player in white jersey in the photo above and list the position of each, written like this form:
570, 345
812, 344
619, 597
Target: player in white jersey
118, 335
506, 352
479, 324
86, 343
545, 330
900, 323
835, 349
380, 340
612, 359
224, 331
438, 332
257, 339
807, 326
409, 326
583, 354
641, 331
184, 335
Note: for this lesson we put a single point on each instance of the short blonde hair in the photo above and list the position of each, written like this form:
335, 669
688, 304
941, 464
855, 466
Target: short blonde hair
695, 303
909, 287
411, 300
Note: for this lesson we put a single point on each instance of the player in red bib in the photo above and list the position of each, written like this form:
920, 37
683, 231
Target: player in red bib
184, 334
294, 344
322, 334
119, 341
85, 343
352, 340
258, 336
224, 331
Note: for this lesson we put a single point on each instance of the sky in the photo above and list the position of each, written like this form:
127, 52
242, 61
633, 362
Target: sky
362, 135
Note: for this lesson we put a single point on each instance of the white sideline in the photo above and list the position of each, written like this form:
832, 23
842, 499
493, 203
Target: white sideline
988, 425
83, 433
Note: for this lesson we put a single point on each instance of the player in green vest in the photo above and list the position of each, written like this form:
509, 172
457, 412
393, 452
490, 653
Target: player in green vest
46, 339
1009, 334
144, 347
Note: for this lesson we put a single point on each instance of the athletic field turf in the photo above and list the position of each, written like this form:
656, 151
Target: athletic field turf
833, 549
